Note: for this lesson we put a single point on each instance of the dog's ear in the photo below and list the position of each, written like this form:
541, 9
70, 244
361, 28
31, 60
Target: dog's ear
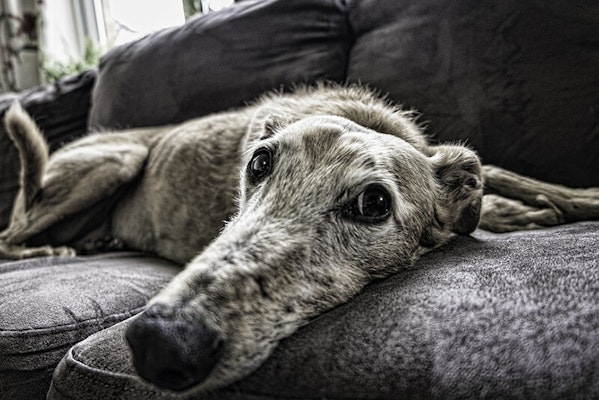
262, 126
458, 172
272, 124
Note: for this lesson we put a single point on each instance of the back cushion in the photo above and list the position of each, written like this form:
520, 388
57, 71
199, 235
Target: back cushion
519, 80
219, 61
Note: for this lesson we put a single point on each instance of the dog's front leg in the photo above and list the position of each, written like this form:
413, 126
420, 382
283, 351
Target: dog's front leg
501, 214
515, 202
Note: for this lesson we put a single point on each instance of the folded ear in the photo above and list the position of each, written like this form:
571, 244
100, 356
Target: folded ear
458, 171
262, 126
273, 123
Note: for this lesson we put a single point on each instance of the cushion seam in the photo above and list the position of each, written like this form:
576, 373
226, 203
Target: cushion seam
62, 328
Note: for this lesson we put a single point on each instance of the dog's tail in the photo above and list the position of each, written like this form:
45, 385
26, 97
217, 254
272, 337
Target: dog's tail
33, 151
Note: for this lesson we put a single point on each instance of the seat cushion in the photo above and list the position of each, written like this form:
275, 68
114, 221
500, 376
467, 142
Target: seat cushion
488, 316
49, 304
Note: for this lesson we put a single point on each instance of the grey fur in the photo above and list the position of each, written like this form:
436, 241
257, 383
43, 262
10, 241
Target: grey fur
288, 251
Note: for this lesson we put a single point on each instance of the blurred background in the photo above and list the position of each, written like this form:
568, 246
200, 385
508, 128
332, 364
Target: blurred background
44, 40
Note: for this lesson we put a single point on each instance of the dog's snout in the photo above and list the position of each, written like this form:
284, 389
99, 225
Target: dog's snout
171, 351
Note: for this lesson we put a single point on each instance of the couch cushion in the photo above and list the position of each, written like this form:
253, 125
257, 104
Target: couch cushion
489, 316
49, 304
220, 60
517, 79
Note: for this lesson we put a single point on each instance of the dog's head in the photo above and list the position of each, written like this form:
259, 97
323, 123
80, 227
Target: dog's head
325, 206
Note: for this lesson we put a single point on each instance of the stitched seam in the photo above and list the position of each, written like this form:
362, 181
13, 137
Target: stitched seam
62, 328
90, 379
38, 352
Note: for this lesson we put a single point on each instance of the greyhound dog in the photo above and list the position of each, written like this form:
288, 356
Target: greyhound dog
324, 190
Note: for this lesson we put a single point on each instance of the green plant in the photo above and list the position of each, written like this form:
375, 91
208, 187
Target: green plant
192, 7
54, 70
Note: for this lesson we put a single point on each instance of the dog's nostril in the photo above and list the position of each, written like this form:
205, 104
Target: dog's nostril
172, 352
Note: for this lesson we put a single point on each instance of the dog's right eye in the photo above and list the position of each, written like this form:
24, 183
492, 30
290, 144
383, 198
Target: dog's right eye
372, 205
260, 165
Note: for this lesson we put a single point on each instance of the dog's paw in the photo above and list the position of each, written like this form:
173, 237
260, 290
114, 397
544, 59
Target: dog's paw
10, 251
63, 251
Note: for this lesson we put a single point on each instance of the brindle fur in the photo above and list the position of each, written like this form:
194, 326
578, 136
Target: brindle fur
288, 252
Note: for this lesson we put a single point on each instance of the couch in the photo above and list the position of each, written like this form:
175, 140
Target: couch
512, 316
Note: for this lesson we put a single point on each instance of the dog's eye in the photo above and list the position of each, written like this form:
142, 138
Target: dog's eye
372, 205
260, 165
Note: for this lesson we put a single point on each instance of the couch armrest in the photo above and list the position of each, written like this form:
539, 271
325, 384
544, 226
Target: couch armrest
61, 111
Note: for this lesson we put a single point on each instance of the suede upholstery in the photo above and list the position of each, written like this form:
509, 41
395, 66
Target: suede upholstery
511, 78
510, 316
47, 304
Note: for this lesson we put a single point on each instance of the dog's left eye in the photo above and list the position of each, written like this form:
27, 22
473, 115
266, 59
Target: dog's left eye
372, 205
260, 165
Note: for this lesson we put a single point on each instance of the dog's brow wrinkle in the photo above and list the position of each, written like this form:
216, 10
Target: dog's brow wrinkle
271, 143
260, 281
318, 142
368, 163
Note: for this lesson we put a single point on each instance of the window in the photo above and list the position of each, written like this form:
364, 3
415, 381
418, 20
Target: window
43, 40
121, 21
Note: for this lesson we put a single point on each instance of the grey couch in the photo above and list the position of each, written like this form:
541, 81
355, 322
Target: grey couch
487, 316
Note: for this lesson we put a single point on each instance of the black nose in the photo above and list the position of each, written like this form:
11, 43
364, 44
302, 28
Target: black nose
171, 351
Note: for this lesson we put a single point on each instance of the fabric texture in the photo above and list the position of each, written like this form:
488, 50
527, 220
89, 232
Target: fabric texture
511, 316
517, 80
61, 111
221, 60
49, 304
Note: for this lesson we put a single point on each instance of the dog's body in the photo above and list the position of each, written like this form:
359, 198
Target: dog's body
337, 188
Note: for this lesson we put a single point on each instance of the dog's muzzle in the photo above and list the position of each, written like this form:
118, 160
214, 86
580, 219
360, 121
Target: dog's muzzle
173, 351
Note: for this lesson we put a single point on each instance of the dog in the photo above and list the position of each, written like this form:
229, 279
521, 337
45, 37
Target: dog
323, 190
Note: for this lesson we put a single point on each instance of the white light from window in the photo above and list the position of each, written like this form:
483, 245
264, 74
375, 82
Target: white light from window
216, 5
136, 18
